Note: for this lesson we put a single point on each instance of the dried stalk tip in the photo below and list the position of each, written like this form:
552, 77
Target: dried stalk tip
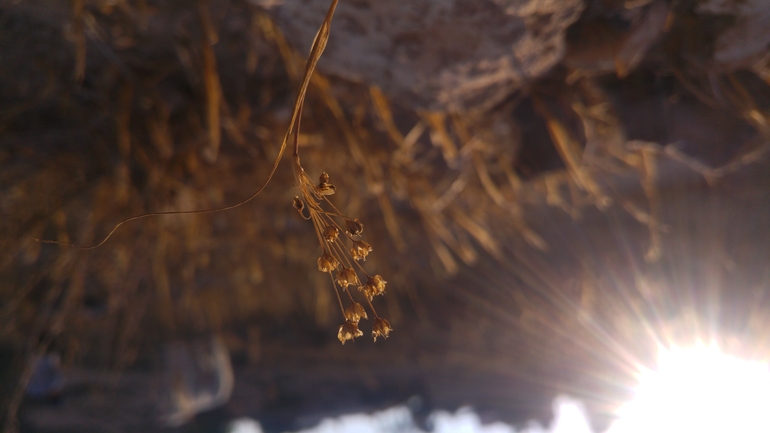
374, 286
347, 277
348, 331
354, 227
331, 233
381, 328
360, 250
355, 312
327, 263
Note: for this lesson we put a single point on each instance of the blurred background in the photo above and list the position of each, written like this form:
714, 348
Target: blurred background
552, 190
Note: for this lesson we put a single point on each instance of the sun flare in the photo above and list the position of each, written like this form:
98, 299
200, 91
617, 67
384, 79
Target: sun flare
699, 390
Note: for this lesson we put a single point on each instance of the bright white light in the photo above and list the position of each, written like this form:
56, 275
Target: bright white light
393, 420
245, 425
569, 417
465, 421
699, 390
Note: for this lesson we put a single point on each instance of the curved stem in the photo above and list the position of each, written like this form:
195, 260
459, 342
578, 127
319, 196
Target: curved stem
296, 130
317, 48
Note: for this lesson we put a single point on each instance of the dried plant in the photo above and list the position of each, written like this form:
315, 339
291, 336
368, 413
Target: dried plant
328, 224
466, 185
340, 254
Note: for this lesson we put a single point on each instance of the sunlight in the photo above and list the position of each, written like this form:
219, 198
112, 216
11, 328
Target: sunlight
699, 390
693, 390
245, 425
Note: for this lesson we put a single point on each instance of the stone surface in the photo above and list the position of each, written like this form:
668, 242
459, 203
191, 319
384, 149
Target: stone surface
450, 54
745, 42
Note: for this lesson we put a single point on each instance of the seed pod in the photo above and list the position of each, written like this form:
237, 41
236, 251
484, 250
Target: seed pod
324, 187
355, 312
374, 286
347, 277
354, 227
331, 233
348, 331
327, 263
381, 328
298, 204
360, 250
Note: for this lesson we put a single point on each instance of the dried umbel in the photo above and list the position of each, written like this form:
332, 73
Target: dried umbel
328, 221
343, 250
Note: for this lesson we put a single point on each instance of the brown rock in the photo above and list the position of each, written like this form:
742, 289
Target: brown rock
745, 42
459, 55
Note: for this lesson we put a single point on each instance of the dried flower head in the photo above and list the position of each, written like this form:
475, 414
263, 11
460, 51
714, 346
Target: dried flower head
374, 286
347, 277
348, 331
331, 233
327, 263
298, 204
354, 227
355, 312
324, 187
360, 250
381, 328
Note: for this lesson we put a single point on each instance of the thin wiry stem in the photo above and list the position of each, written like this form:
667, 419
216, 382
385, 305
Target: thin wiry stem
374, 312
349, 295
339, 214
361, 267
318, 231
332, 214
341, 252
336, 292
318, 46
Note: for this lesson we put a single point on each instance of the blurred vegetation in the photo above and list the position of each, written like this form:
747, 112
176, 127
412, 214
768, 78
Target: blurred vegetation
110, 109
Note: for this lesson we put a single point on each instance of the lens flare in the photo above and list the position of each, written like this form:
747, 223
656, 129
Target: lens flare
699, 390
